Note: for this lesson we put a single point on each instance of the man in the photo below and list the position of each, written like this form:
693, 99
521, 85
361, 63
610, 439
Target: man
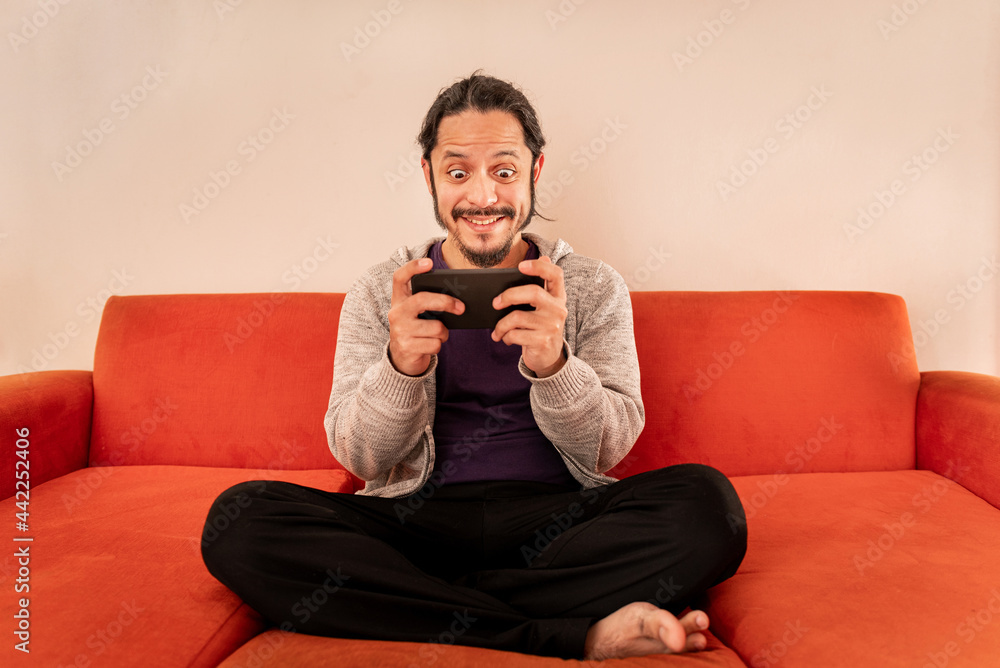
487, 518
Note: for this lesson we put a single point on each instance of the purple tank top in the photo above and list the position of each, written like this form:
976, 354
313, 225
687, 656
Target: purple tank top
483, 422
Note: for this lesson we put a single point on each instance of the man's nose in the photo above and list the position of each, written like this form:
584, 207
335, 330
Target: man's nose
481, 191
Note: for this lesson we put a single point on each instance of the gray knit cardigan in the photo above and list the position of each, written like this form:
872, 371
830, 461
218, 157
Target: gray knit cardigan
380, 422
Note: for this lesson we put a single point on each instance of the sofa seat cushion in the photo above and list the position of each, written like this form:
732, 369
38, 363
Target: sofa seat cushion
277, 649
116, 572
863, 569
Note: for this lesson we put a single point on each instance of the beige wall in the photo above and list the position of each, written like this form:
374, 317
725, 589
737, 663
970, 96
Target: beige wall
657, 115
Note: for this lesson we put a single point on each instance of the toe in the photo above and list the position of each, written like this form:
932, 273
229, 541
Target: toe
695, 642
694, 621
670, 633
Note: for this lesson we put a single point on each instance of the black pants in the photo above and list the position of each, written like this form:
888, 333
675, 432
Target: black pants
506, 565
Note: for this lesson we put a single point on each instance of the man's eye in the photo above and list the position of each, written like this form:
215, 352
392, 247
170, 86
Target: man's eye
457, 173
505, 173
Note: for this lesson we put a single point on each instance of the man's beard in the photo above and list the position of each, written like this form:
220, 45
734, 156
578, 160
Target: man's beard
487, 258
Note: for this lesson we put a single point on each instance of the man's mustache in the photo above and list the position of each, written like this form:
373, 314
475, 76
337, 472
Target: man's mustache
488, 212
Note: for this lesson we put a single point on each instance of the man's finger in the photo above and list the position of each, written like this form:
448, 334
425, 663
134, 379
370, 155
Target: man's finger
533, 322
401, 277
434, 301
520, 294
552, 274
427, 341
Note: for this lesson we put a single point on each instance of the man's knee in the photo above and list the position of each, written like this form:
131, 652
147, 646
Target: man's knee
229, 510
712, 507
722, 501
722, 521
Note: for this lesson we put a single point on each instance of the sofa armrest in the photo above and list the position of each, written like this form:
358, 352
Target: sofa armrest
958, 429
56, 408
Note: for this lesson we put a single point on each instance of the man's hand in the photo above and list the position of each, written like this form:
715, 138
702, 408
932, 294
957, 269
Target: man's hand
538, 332
412, 341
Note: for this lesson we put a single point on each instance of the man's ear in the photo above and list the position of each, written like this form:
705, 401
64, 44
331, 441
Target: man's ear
426, 166
538, 168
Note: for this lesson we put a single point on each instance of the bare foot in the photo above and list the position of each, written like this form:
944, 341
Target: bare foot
641, 628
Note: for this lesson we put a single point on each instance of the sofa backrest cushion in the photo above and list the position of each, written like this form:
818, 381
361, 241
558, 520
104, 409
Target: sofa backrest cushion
238, 380
775, 382
748, 382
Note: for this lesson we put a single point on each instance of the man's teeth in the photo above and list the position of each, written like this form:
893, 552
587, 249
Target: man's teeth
484, 222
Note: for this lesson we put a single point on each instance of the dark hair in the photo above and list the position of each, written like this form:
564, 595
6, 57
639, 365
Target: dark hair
482, 93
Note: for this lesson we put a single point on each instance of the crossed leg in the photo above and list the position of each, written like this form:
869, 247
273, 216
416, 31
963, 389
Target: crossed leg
622, 555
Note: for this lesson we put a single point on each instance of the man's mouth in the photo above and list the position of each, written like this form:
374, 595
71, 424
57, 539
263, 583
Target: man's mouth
480, 221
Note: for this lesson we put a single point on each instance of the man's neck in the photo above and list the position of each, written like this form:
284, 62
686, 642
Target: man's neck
454, 258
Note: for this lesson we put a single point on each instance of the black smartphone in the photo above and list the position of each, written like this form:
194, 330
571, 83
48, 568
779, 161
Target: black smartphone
476, 288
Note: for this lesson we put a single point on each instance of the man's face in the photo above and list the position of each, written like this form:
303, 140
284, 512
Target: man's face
480, 176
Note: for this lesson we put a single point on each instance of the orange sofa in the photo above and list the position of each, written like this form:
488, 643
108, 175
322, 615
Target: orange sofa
871, 490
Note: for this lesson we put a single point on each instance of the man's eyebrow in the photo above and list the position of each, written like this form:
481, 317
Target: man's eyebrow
507, 151
502, 152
